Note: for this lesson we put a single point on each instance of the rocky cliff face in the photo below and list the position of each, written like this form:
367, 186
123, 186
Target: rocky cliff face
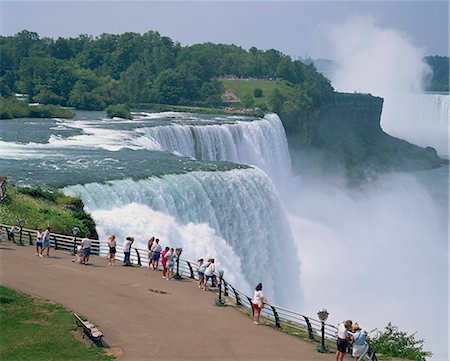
346, 135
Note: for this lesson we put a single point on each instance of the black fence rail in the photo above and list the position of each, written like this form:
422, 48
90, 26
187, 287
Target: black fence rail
23, 236
273, 315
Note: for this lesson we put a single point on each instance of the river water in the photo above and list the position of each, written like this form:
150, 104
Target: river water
222, 187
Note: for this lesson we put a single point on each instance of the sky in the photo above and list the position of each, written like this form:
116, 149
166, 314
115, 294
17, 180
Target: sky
296, 28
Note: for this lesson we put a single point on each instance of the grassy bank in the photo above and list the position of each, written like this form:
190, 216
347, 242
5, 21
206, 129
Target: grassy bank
35, 329
245, 87
189, 109
40, 208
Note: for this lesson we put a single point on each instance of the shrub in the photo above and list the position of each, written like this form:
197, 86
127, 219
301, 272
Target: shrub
395, 343
38, 192
119, 110
257, 93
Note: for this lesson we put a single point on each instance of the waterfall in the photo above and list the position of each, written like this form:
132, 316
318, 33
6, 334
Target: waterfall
419, 118
259, 142
235, 215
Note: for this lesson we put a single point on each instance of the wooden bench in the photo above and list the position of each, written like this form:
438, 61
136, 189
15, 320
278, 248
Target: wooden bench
89, 329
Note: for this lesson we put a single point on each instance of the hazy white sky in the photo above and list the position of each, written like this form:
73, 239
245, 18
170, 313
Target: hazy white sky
298, 28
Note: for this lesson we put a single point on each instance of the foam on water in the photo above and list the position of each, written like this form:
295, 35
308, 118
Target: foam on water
238, 207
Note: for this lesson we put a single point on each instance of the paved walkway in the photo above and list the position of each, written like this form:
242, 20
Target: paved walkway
181, 325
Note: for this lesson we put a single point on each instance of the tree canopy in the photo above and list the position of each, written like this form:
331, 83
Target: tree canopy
94, 72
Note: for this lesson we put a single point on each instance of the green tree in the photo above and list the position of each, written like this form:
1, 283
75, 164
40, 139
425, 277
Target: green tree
247, 101
395, 343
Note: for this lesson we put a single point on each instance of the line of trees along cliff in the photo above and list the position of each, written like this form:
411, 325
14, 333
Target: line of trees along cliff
93, 72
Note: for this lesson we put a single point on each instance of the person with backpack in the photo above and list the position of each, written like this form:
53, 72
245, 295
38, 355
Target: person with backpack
209, 273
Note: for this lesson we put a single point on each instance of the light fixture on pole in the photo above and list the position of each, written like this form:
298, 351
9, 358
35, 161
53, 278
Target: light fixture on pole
178, 252
75, 231
323, 316
218, 301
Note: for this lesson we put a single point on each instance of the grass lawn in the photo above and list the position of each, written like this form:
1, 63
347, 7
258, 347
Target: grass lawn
243, 87
38, 211
34, 329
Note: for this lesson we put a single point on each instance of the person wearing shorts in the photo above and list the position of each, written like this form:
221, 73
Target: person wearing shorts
342, 340
258, 302
112, 250
156, 253
46, 241
39, 244
201, 273
86, 245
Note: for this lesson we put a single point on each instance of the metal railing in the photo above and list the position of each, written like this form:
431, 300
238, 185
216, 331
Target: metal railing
273, 315
23, 236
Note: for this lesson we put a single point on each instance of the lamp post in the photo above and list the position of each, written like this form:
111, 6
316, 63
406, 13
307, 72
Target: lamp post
218, 301
178, 252
75, 231
21, 224
323, 316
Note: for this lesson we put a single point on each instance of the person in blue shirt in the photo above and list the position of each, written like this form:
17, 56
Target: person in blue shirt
359, 341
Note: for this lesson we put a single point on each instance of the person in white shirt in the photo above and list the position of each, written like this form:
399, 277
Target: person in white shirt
209, 273
258, 303
170, 256
156, 253
86, 245
39, 236
127, 250
46, 241
342, 339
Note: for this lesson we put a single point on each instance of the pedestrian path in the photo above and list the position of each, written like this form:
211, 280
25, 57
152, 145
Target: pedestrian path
148, 317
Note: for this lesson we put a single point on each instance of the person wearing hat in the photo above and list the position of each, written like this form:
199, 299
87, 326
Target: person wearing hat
359, 341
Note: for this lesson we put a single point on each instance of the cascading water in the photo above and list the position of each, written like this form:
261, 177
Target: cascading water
419, 118
260, 142
239, 206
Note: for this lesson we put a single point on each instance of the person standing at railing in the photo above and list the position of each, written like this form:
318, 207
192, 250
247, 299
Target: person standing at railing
258, 303
359, 342
156, 253
164, 261
86, 246
39, 236
342, 339
127, 250
46, 241
201, 273
209, 273
11, 233
112, 250
170, 256
149, 247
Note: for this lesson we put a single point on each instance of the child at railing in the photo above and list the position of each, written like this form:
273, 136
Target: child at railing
78, 255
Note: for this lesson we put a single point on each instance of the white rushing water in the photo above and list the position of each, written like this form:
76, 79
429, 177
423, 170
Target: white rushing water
235, 216
261, 142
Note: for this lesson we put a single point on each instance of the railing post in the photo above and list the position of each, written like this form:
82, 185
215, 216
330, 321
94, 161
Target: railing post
20, 237
138, 257
251, 307
277, 318
236, 295
310, 330
225, 288
55, 242
191, 270
74, 250
30, 238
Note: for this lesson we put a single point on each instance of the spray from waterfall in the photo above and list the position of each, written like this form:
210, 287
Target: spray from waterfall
386, 63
